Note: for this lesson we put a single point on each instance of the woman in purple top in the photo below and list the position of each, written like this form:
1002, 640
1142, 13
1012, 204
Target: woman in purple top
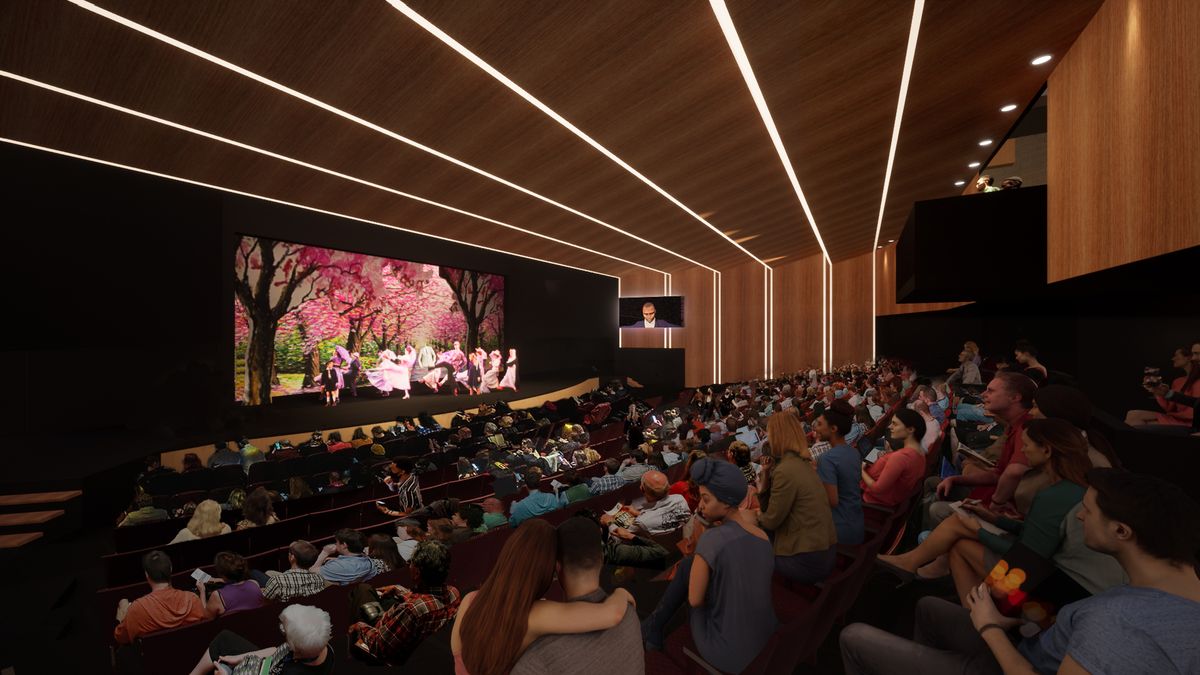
239, 592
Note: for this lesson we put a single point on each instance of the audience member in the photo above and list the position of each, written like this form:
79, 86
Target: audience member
164, 607
967, 372
223, 456
305, 649
146, 511
383, 553
237, 591
611, 480
335, 442
298, 580
411, 615
1027, 355
205, 522
840, 469
634, 466
615, 650
575, 488
984, 184
1174, 413
1152, 529
298, 488
467, 520
257, 510
487, 638
727, 582
401, 480
250, 454
1011, 183
538, 501
895, 476
932, 430
493, 513
658, 513
343, 562
798, 514
359, 438
191, 462
684, 486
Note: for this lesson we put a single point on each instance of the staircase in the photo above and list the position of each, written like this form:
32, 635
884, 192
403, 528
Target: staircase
28, 517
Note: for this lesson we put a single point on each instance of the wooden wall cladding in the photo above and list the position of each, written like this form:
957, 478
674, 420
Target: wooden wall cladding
885, 288
639, 281
797, 314
852, 320
743, 331
697, 337
1124, 137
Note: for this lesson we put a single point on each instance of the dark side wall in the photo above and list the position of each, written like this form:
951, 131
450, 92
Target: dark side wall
120, 302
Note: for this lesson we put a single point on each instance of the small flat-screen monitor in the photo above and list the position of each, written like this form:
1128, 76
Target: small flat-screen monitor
660, 311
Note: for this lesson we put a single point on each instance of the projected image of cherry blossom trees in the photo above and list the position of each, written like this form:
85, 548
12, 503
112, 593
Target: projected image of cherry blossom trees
294, 303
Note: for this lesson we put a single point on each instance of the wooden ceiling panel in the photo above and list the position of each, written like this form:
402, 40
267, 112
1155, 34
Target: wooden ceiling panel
43, 118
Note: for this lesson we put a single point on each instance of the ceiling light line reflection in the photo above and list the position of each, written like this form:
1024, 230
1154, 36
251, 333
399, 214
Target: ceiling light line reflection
178, 44
486, 67
284, 202
301, 163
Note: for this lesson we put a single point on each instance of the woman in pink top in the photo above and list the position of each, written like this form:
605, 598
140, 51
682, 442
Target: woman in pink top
894, 477
1174, 413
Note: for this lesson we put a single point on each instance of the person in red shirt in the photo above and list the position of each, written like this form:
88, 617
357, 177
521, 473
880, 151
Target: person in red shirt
895, 476
165, 607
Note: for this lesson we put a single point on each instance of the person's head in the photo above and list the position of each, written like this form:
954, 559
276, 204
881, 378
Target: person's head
349, 542
862, 415
298, 488
926, 393
971, 346
834, 423
157, 566
580, 548
1057, 443
440, 529
654, 485
611, 466
468, 515
533, 478
221, 446
383, 547
521, 576
358, 434
377, 431
1009, 395
1025, 352
907, 424
922, 408
739, 453
722, 488
335, 437
965, 356
302, 554
1123, 511
785, 433
648, 312
983, 181
206, 519
191, 462
430, 564
457, 344
306, 629
330, 365
1011, 183
493, 505
401, 468
258, 508
231, 567
1062, 402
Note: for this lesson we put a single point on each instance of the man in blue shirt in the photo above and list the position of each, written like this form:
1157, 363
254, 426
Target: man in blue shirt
840, 469
537, 502
1148, 626
343, 561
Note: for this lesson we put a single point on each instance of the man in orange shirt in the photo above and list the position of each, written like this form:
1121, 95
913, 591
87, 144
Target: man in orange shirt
164, 607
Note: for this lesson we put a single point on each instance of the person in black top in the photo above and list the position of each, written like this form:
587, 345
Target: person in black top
352, 375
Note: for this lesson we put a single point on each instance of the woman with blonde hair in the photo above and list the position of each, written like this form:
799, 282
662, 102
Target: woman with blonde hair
797, 510
205, 522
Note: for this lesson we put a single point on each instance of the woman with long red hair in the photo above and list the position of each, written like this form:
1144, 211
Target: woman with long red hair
487, 639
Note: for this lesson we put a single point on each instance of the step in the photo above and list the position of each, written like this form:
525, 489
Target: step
33, 498
9, 541
29, 517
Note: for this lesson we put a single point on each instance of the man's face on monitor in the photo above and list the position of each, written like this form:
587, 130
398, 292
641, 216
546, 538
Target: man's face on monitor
648, 313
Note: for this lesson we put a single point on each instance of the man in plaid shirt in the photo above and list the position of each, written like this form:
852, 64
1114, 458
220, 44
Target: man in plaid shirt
298, 581
609, 481
417, 614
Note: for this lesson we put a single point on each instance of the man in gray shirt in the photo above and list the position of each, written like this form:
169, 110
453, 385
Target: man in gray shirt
616, 650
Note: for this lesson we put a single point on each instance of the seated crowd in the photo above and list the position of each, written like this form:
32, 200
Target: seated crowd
1060, 560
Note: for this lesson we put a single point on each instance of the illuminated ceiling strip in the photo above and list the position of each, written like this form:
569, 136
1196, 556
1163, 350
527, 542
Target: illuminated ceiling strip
910, 53
549, 112
297, 162
128, 23
314, 209
771, 304
716, 351
743, 61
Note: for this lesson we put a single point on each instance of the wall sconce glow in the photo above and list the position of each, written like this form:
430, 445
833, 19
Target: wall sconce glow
1044, 58
743, 61
314, 167
891, 241
985, 142
959, 183
1009, 108
183, 46
973, 165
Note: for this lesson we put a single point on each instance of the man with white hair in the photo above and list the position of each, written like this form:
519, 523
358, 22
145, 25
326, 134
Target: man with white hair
306, 634
659, 513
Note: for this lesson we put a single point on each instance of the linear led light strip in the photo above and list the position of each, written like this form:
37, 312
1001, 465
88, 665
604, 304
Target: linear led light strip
314, 209
532, 100
743, 61
314, 167
129, 23
910, 53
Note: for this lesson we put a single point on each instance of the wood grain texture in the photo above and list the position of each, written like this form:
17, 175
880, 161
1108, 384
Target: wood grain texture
743, 332
851, 321
1124, 138
697, 287
885, 288
797, 315
635, 282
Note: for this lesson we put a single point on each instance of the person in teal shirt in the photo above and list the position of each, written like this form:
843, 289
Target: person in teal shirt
537, 502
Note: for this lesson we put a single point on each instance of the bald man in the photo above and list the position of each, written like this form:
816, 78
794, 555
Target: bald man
659, 512
650, 319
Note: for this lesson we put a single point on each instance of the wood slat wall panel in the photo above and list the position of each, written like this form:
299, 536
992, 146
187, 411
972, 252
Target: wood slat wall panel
798, 316
885, 288
1124, 138
696, 285
743, 336
852, 319
642, 282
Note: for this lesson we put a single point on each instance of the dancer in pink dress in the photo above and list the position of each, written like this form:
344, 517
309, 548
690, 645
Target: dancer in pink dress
405, 364
388, 374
